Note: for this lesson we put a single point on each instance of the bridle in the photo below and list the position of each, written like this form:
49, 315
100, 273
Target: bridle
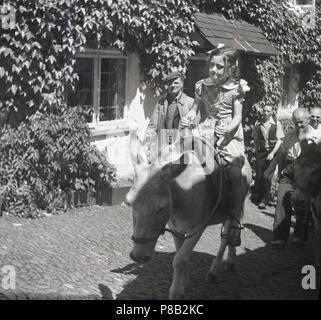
217, 157
143, 240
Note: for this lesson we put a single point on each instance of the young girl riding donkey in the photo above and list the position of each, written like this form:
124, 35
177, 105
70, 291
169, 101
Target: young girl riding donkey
172, 197
219, 99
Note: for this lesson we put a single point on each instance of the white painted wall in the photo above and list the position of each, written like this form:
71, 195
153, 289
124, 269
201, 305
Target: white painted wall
292, 93
112, 138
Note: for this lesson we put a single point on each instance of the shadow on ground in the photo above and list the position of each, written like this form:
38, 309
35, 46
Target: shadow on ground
105, 294
265, 273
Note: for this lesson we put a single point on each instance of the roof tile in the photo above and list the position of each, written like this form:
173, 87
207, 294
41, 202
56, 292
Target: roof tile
237, 34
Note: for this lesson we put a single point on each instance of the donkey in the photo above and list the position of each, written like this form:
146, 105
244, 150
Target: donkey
307, 186
184, 196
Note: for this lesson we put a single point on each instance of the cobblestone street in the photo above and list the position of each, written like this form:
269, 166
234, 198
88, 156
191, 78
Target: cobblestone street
84, 254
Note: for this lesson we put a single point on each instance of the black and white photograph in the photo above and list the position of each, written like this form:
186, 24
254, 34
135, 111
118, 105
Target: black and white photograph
160, 151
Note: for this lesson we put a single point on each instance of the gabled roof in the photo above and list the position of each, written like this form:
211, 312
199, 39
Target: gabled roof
237, 34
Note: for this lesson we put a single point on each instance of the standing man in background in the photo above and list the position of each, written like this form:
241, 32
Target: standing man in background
267, 135
170, 109
290, 151
174, 106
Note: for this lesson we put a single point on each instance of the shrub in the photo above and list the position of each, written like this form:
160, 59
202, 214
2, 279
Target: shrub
49, 154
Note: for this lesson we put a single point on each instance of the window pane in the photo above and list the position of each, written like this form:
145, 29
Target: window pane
112, 94
286, 86
196, 70
84, 87
304, 2
105, 65
104, 81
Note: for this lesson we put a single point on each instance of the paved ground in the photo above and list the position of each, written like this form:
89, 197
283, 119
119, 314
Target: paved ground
83, 254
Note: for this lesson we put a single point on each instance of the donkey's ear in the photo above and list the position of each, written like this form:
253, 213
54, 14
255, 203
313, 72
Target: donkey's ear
307, 143
173, 170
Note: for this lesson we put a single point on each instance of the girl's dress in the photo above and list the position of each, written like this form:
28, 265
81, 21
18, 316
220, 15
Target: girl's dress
217, 110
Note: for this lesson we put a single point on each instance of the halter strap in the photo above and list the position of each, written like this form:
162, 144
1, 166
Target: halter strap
143, 240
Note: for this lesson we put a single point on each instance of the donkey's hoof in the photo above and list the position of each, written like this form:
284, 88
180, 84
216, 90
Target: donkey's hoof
180, 296
176, 295
211, 278
229, 267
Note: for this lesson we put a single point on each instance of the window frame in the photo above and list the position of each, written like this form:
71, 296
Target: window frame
98, 55
304, 5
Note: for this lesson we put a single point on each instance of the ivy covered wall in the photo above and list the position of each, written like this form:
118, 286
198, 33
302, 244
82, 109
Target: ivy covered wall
37, 55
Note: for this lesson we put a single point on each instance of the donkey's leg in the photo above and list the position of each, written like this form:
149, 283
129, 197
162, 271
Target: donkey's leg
316, 213
230, 261
180, 266
317, 226
318, 244
214, 269
178, 244
231, 255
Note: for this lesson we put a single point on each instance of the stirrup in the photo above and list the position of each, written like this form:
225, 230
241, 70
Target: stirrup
233, 235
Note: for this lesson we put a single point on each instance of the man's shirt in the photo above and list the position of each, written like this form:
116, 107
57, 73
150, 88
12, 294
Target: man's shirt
265, 130
291, 142
291, 145
172, 118
167, 116
316, 134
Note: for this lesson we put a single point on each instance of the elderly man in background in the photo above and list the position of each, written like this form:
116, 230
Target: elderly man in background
315, 123
289, 151
173, 107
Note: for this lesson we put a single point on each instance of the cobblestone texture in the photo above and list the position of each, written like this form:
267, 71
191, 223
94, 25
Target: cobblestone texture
83, 254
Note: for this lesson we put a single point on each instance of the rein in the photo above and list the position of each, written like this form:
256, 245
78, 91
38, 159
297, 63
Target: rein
192, 234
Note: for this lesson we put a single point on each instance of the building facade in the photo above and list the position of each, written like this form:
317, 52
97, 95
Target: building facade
110, 83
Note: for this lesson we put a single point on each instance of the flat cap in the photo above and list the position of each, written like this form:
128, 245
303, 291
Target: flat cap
173, 75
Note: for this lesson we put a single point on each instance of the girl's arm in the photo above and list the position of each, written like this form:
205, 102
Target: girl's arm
237, 116
236, 120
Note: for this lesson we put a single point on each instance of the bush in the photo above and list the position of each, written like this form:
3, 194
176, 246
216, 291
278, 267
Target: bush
49, 154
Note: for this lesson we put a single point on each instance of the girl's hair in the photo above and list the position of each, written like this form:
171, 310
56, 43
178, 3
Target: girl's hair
231, 61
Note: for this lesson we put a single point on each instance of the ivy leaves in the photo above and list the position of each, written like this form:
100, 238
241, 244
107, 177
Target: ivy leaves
158, 31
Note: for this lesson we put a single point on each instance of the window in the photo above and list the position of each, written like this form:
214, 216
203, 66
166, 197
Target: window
196, 70
307, 12
101, 86
290, 85
304, 2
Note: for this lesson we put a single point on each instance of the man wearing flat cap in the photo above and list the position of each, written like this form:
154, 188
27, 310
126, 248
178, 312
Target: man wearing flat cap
174, 106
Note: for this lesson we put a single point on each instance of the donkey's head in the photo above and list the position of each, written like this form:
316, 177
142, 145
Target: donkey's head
151, 200
307, 174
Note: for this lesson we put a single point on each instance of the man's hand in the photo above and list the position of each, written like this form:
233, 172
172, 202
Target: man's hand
270, 156
188, 119
184, 123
